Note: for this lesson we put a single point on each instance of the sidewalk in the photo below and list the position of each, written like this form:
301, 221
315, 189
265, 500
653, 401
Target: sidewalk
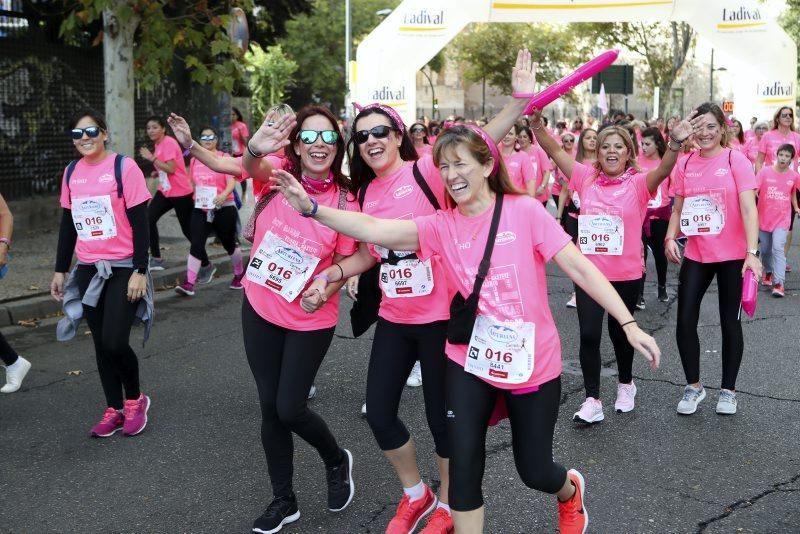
25, 291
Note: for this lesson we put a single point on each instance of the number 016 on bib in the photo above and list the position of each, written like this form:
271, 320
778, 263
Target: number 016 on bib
501, 351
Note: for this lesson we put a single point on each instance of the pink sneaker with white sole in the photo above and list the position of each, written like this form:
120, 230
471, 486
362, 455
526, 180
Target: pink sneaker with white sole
111, 423
135, 413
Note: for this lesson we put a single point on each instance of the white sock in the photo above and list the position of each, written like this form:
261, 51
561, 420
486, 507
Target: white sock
415, 492
443, 505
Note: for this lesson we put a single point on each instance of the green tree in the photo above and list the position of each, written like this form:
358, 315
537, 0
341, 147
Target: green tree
663, 47
315, 41
270, 73
488, 51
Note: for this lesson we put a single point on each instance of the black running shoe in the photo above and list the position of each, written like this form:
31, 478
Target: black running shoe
281, 511
662, 294
340, 483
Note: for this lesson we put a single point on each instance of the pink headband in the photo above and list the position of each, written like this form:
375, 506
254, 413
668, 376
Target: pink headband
492, 146
387, 109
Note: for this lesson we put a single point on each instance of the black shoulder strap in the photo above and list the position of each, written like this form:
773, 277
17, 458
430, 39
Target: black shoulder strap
483, 268
425, 187
362, 193
686, 163
119, 161
71, 169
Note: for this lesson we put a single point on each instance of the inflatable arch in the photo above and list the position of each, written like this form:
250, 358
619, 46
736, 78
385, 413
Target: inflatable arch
757, 52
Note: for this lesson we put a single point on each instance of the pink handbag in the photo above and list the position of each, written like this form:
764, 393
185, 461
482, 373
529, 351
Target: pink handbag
749, 293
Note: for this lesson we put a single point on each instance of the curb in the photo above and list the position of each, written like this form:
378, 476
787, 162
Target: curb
43, 306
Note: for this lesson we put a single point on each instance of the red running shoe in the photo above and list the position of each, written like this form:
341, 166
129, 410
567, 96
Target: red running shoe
110, 423
135, 412
766, 280
572, 516
409, 513
778, 291
440, 522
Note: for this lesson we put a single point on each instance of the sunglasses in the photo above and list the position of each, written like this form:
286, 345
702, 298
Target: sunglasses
309, 137
417, 130
787, 115
378, 132
209, 137
569, 140
91, 131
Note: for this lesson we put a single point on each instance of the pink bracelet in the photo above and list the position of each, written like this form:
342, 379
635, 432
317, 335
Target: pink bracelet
522, 95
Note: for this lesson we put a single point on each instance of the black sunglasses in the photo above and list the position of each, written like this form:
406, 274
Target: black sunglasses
209, 137
787, 115
91, 131
309, 137
417, 129
378, 132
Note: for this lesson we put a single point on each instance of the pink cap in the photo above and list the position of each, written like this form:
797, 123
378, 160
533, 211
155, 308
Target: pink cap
389, 111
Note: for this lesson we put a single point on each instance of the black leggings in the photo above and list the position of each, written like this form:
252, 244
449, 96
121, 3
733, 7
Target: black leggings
160, 205
110, 323
694, 279
394, 350
590, 323
470, 402
7, 354
224, 226
284, 363
658, 231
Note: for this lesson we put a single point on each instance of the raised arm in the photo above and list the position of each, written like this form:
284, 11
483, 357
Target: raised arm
523, 82
677, 136
210, 159
272, 136
395, 234
560, 157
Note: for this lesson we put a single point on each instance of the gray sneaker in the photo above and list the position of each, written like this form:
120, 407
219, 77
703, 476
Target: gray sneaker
157, 264
691, 398
206, 274
726, 405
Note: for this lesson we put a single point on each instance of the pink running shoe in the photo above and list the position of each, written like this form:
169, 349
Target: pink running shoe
591, 412
626, 393
186, 289
111, 422
236, 283
135, 412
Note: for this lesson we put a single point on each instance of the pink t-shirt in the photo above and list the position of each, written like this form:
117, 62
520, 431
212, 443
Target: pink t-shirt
203, 176
749, 134
775, 190
515, 288
397, 196
167, 150
721, 181
750, 148
626, 199
735, 144
424, 150
239, 135
312, 238
662, 194
772, 140
541, 165
98, 181
520, 169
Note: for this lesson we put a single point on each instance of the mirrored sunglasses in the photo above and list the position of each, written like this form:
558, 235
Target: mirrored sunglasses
91, 132
308, 137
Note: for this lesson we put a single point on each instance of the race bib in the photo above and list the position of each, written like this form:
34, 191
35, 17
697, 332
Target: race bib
163, 181
501, 351
409, 278
704, 214
655, 202
204, 197
601, 234
93, 218
281, 267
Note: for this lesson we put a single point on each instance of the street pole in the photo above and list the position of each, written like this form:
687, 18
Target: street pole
483, 99
711, 78
347, 54
433, 94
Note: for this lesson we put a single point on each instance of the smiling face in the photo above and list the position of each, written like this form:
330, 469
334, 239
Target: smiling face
613, 155
380, 154
465, 178
417, 133
524, 140
90, 147
710, 133
316, 159
209, 144
155, 131
736, 128
509, 139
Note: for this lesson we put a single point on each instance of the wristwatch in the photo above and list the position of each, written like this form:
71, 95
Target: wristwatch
142, 270
755, 252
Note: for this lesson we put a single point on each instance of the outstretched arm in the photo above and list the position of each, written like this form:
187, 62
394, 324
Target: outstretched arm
679, 134
210, 159
523, 81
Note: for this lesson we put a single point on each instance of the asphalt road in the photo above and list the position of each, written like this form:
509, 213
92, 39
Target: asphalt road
199, 466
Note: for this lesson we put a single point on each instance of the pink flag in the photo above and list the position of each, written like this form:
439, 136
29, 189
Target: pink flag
602, 101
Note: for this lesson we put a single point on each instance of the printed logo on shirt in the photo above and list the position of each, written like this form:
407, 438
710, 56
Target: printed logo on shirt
403, 191
502, 333
694, 174
78, 181
504, 238
290, 255
720, 172
106, 178
370, 205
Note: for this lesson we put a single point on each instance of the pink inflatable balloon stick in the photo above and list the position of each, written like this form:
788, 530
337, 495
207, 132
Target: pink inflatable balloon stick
568, 82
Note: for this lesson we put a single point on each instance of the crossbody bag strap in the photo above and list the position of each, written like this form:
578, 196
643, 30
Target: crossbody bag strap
483, 268
425, 187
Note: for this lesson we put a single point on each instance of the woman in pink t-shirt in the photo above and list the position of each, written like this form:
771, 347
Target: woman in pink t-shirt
750, 148
214, 209
518, 164
658, 212
286, 325
542, 169
419, 136
239, 135
777, 204
736, 135
106, 228
715, 208
614, 196
782, 132
174, 187
514, 351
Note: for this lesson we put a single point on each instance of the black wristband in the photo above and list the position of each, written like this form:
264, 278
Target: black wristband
626, 324
253, 154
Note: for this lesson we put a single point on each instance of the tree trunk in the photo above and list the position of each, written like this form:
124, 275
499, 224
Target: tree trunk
119, 83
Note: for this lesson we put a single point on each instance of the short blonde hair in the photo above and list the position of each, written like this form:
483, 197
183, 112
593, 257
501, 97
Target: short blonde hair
626, 140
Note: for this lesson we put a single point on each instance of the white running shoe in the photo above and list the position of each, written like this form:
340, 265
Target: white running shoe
726, 405
591, 412
364, 410
691, 398
571, 302
15, 373
312, 392
626, 393
414, 379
